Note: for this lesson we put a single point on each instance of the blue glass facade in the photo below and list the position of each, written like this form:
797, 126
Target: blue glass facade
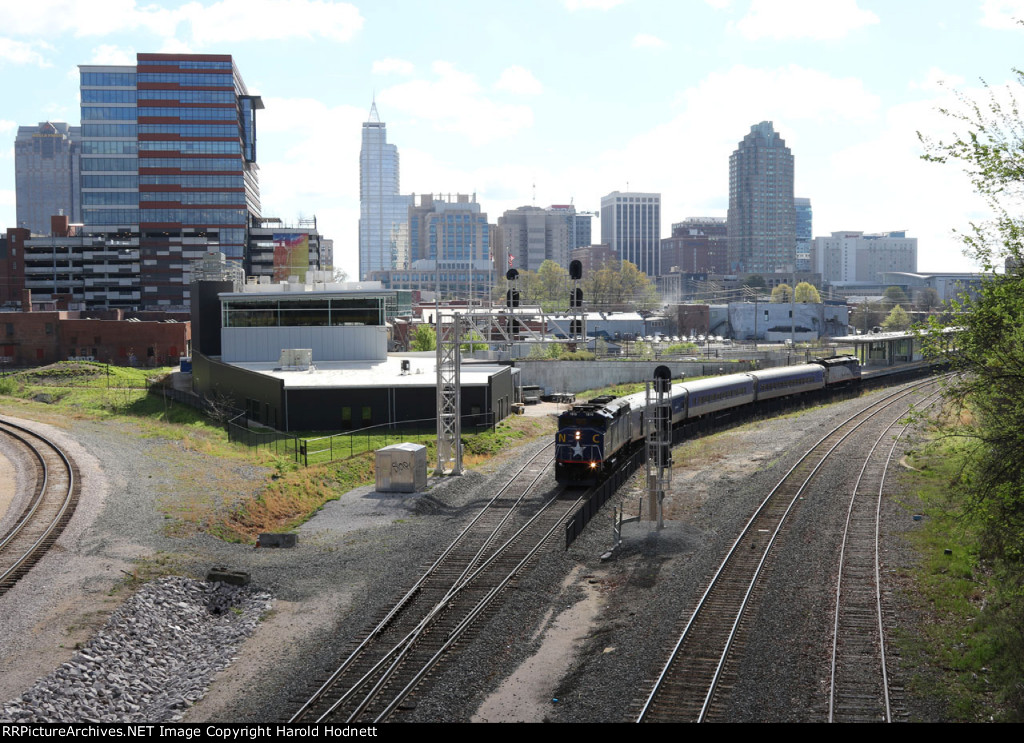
183, 126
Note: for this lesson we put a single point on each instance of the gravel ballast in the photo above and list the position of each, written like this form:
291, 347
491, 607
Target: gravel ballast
358, 555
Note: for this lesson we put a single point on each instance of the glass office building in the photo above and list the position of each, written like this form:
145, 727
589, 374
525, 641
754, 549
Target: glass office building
169, 146
762, 214
383, 211
46, 174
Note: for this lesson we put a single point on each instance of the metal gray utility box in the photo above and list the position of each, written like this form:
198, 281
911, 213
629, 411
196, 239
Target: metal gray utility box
401, 468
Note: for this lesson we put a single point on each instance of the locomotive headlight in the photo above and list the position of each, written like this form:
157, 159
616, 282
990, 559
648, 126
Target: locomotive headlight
578, 433
593, 465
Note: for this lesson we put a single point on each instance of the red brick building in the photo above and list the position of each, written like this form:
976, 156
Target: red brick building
33, 338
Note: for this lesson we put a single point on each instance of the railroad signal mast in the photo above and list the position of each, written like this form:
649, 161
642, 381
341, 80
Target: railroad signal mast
659, 442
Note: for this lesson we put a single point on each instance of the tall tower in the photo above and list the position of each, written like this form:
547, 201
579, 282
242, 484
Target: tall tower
762, 215
169, 149
46, 161
383, 211
631, 225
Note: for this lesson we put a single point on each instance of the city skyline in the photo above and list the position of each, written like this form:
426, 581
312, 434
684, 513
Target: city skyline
514, 114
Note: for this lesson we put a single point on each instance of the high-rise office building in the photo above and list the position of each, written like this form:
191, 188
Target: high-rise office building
762, 215
804, 233
631, 225
697, 245
169, 146
857, 256
533, 235
46, 174
383, 211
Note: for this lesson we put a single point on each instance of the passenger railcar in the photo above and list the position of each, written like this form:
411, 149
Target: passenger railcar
706, 396
788, 380
593, 436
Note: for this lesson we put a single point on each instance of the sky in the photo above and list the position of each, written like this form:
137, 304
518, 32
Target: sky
563, 101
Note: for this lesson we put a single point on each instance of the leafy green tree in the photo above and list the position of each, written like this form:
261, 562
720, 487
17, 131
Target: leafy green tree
806, 293
552, 287
755, 282
867, 315
474, 336
782, 294
990, 353
624, 287
898, 319
424, 338
927, 300
893, 296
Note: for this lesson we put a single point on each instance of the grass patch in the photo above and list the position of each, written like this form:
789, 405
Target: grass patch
290, 494
960, 640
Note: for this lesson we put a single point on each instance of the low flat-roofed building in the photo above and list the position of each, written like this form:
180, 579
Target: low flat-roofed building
313, 357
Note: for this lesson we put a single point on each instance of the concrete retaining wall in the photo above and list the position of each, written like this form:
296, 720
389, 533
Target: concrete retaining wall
576, 376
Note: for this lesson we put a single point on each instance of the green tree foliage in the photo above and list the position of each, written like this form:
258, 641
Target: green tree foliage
806, 293
614, 288
782, 294
755, 282
927, 300
990, 353
898, 319
624, 287
867, 315
424, 338
552, 287
894, 295
474, 336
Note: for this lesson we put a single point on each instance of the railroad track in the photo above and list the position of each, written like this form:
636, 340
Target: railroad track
445, 605
859, 683
55, 491
697, 674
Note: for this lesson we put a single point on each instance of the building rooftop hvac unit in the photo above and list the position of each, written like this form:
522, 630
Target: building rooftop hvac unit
214, 266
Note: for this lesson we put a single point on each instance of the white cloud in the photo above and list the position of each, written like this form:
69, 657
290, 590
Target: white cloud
174, 46
250, 20
749, 94
648, 41
1002, 13
51, 17
220, 22
519, 80
454, 102
20, 52
392, 65
935, 79
798, 19
109, 54
305, 167
592, 4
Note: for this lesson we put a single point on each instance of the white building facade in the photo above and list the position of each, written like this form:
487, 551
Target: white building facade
631, 225
857, 256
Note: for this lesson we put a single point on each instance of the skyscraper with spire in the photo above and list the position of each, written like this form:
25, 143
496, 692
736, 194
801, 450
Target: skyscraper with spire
383, 211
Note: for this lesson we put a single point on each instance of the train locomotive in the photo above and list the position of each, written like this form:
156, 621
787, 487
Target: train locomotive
593, 436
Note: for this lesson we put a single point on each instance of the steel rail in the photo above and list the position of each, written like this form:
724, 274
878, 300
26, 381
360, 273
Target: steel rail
417, 586
402, 649
878, 405
67, 500
877, 576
